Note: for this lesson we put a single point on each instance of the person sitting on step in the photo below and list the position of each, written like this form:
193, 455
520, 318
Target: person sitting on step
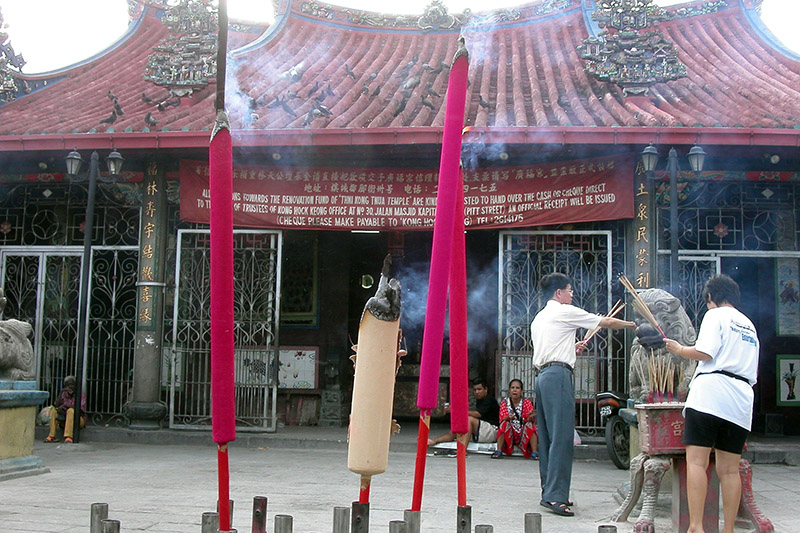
517, 424
62, 412
482, 421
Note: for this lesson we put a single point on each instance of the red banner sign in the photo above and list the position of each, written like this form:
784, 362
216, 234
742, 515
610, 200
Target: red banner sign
391, 199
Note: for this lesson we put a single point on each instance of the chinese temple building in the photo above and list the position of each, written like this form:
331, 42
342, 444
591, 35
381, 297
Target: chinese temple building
336, 117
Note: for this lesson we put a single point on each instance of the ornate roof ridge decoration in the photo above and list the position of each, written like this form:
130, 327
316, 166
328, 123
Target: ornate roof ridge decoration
185, 60
628, 52
435, 17
546, 7
11, 63
711, 6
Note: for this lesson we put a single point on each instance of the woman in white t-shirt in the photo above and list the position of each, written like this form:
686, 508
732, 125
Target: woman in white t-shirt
719, 407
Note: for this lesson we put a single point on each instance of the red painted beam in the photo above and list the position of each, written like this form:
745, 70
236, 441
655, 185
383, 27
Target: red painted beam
409, 136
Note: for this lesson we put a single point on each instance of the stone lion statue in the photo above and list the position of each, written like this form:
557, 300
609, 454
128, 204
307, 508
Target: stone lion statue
672, 318
16, 351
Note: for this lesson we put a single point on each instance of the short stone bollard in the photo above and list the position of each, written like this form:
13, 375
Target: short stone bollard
110, 526
607, 529
259, 514
412, 520
283, 523
341, 520
209, 523
98, 513
398, 526
533, 523
483, 528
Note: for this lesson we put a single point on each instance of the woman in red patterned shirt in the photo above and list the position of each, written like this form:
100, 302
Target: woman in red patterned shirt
517, 424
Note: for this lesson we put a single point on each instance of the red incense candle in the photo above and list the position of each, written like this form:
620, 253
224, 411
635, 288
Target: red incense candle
220, 164
444, 223
459, 395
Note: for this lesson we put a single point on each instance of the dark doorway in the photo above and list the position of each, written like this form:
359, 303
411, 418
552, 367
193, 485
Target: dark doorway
756, 279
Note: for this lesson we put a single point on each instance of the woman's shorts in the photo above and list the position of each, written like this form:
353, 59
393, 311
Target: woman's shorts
486, 432
709, 431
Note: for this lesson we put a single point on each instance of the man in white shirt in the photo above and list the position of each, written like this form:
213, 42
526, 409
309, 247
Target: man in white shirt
719, 407
554, 353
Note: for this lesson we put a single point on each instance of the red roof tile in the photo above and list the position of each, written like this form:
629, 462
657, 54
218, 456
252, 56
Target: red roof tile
525, 69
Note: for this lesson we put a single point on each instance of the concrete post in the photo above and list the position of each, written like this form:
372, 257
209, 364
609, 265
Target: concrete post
412, 520
533, 523
397, 526
341, 520
98, 513
209, 523
283, 523
110, 526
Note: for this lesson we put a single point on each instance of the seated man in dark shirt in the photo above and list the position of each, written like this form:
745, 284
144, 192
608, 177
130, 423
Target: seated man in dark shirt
482, 421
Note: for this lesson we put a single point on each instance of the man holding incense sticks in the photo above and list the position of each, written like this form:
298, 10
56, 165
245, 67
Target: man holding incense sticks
719, 407
555, 350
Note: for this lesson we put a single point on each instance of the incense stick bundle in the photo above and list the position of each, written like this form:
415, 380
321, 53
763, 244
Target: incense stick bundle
639, 305
615, 309
662, 373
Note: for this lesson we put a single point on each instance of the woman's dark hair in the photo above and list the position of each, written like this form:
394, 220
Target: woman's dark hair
521, 385
552, 282
721, 289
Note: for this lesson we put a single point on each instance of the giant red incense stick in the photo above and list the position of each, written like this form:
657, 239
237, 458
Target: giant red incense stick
459, 395
441, 254
220, 164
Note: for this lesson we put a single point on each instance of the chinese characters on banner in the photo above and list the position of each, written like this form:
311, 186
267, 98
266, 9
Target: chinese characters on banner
397, 199
643, 257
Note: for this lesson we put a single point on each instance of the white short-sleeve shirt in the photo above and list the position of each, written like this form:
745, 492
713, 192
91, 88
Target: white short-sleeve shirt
730, 339
553, 332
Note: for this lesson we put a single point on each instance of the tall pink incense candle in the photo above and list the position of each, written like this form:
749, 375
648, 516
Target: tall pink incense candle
443, 225
221, 189
220, 164
441, 254
459, 395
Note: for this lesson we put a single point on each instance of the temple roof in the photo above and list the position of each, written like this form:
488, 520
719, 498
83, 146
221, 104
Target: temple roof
322, 69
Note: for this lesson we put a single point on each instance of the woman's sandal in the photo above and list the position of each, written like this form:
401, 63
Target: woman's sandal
558, 508
51, 439
497, 454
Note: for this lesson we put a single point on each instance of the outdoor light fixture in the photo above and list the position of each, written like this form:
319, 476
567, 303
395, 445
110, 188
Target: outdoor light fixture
697, 158
114, 163
649, 158
74, 163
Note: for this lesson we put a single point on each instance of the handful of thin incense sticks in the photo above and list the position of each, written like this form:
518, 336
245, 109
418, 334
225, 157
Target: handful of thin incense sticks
615, 309
638, 304
662, 372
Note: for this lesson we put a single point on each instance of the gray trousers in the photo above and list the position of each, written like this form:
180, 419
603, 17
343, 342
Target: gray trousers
555, 412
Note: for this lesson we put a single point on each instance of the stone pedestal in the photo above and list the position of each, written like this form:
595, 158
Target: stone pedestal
334, 410
19, 403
